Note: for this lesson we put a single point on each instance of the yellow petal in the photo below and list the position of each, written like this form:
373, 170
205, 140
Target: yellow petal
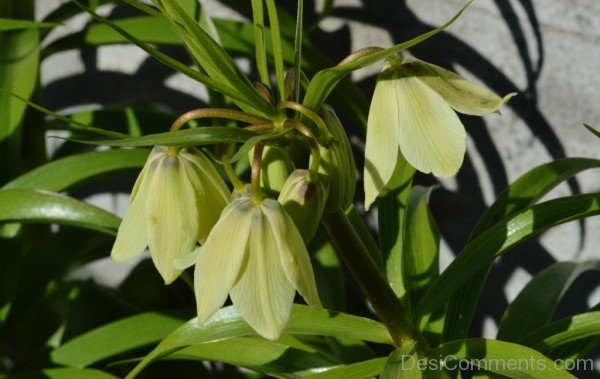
186, 261
431, 136
263, 295
463, 95
221, 257
132, 238
382, 140
212, 194
292, 251
172, 215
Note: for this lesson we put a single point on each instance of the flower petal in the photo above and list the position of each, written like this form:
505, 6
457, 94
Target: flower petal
220, 259
292, 252
463, 95
263, 295
131, 237
172, 215
431, 136
382, 138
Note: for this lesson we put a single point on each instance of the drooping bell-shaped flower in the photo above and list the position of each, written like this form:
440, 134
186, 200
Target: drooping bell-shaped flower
255, 255
176, 200
413, 112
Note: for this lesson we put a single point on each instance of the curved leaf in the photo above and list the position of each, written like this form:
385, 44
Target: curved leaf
66, 373
498, 239
499, 357
324, 81
227, 323
536, 303
360, 370
22, 205
188, 137
65, 173
524, 192
16, 24
115, 338
267, 357
563, 331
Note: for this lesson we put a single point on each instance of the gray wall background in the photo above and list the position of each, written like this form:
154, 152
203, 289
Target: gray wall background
547, 50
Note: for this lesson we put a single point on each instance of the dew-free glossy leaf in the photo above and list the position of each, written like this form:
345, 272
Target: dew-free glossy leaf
22, 205
227, 323
115, 338
62, 174
482, 251
257, 354
536, 303
500, 357
563, 331
524, 192
187, 137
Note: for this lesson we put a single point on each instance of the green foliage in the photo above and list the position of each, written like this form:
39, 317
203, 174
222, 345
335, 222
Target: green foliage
55, 323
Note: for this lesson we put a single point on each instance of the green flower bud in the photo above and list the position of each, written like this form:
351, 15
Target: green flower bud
337, 163
276, 167
303, 197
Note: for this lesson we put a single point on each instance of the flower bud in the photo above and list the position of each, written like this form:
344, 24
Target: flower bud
275, 168
303, 197
337, 163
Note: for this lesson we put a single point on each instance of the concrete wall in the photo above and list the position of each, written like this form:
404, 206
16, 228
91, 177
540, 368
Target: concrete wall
546, 50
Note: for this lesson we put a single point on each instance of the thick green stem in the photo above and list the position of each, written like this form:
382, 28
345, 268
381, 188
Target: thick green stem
370, 279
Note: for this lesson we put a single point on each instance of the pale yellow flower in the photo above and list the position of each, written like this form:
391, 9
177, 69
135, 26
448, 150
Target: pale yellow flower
176, 200
413, 113
255, 255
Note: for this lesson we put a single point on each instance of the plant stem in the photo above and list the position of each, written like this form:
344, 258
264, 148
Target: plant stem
228, 114
370, 279
255, 176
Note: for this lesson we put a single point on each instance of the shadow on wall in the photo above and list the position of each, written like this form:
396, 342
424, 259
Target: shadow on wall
455, 213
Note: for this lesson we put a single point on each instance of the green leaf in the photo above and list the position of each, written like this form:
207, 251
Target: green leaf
524, 192
188, 137
592, 130
392, 226
214, 59
115, 338
361, 370
68, 120
15, 24
328, 271
257, 354
422, 245
19, 60
174, 64
22, 205
324, 81
564, 331
66, 373
365, 235
536, 303
499, 357
227, 323
68, 172
401, 364
504, 235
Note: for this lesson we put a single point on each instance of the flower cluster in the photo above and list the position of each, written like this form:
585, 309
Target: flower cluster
250, 245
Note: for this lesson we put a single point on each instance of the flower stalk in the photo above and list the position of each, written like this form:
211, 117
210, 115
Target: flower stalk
370, 279
255, 176
228, 114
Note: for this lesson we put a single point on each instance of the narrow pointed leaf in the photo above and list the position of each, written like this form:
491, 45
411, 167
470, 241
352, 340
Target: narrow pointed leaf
481, 252
360, 370
68, 172
14, 24
21, 205
536, 303
115, 338
494, 356
227, 323
524, 192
